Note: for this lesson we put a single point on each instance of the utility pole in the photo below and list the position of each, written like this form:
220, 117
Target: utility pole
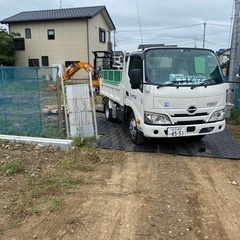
204, 33
114, 40
234, 55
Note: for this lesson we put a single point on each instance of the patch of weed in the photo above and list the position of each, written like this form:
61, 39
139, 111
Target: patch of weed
75, 165
56, 204
235, 116
47, 185
79, 141
14, 166
69, 180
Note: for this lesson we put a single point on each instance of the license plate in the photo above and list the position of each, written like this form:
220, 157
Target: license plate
176, 132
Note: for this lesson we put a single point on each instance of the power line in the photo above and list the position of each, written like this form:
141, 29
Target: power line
214, 44
177, 27
198, 37
219, 25
140, 26
202, 37
161, 29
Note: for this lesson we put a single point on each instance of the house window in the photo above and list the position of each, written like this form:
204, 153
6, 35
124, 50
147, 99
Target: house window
19, 44
51, 34
33, 62
102, 35
68, 63
45, 62
27, 33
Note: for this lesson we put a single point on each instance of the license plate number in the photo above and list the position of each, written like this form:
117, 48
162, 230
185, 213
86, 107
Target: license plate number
176, 132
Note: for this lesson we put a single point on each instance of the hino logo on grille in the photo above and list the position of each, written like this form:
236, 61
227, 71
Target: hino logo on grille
191, 110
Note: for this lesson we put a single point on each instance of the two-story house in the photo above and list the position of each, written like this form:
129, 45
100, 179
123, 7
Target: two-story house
223, 55
224, 60
60, 36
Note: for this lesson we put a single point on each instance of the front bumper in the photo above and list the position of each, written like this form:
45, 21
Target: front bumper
156, 131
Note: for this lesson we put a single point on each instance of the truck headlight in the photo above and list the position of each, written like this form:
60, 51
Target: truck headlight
156, 118
217, 116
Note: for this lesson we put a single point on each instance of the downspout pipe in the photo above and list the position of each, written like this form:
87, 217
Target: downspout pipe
88, 53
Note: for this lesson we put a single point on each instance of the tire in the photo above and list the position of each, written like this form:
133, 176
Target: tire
108, 112
135, 135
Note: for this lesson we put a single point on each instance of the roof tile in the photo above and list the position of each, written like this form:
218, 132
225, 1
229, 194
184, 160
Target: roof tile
55, 14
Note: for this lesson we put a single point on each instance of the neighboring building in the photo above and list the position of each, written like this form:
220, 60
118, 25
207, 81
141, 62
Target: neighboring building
223, 55
60, 36
118, 59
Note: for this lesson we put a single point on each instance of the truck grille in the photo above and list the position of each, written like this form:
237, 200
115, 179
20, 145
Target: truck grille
187, 115
189, 122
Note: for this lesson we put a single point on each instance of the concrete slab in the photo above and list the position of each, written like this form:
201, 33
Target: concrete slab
64, 144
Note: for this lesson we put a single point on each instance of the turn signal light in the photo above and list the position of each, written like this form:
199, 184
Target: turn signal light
137, 121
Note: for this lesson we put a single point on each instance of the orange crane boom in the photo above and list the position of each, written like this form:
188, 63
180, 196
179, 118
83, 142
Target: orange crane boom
73, 68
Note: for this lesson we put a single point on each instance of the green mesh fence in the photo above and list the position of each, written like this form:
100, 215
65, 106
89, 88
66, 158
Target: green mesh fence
24, 93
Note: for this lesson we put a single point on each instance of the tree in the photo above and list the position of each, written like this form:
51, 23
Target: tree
7, 52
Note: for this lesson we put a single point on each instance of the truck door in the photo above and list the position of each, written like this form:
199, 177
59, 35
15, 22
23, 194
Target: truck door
134, 97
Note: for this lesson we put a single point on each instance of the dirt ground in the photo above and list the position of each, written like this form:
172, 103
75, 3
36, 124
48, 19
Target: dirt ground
117, 195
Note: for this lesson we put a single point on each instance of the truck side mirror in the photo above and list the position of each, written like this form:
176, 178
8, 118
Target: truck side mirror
135, 76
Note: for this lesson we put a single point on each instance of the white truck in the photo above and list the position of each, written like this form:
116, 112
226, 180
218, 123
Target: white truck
166, 92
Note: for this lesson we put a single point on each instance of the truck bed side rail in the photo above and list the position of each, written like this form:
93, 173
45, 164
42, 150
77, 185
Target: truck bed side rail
113, 77
110, 85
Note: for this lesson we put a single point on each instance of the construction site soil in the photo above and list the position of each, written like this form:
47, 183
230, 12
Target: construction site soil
104, 194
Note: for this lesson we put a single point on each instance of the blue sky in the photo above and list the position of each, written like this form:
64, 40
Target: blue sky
155, 21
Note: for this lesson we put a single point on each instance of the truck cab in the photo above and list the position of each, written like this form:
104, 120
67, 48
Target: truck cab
169, 92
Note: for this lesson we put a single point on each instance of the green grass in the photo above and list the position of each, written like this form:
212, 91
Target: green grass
71, 165
37, 190
13, 167
57, 204
46, 190
235, 116
49, 187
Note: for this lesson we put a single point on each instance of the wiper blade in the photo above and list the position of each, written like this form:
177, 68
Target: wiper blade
205, 83
165, 85
200, 84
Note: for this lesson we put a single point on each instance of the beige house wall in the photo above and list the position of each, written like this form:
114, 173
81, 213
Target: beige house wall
74, 40
94, 44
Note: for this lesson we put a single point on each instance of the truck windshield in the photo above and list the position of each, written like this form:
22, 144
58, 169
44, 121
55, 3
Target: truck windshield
182, 66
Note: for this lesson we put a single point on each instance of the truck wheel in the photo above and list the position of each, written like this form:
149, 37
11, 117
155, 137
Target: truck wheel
136, 135
108, 112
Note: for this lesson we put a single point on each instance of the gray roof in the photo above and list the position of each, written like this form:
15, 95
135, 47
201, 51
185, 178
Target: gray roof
59, 14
